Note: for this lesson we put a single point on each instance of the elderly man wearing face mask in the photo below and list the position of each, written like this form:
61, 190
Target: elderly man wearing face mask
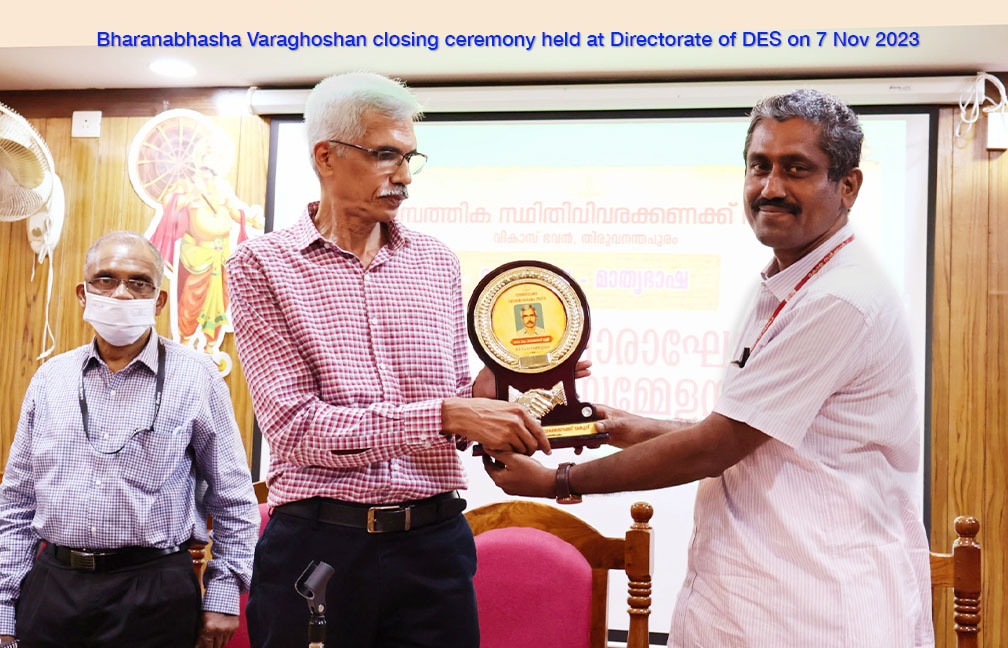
123, 447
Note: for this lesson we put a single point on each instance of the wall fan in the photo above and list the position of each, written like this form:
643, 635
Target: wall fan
30, 189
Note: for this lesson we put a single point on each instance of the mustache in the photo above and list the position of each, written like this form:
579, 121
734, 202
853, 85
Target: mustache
398, 190
777, 203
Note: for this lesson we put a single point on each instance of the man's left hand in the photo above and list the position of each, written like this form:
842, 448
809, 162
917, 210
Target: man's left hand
217, 630
582, 369
520, 475
486, 387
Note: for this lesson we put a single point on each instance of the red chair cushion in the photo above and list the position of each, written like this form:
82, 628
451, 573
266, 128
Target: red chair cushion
532, 590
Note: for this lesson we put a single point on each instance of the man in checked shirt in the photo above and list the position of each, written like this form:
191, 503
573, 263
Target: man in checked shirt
123, 447
362, 392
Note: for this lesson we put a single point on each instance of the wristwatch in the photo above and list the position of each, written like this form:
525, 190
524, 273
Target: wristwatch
564, 494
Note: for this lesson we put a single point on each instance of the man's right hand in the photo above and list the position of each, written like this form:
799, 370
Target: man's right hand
498, 425
6, 639
626, 429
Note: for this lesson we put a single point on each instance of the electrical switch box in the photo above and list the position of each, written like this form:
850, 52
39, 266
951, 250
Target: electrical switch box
86, 123
997, 130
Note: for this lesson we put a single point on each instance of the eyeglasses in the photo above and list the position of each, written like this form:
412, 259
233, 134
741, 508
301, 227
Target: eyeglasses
390, 159
137, 287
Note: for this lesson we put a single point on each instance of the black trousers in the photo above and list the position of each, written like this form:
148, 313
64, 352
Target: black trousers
155, 605
391, 590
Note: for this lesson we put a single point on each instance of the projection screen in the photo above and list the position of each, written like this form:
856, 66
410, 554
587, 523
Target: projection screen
644, 210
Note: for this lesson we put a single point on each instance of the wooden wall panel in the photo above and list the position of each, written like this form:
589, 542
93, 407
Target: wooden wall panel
131, 102
968, 325
100, 198
941, 534
995, 504
969, 408
109, 194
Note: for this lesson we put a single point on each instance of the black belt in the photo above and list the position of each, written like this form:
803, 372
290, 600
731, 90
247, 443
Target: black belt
377, 518
107, 560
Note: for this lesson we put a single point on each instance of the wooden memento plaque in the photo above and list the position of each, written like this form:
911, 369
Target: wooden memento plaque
529, 323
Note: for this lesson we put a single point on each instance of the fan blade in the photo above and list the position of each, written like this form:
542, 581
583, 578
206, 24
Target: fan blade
20, 161
16, 202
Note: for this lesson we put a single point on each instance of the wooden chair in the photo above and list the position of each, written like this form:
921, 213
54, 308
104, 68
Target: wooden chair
634, 554
960, 570
199, 560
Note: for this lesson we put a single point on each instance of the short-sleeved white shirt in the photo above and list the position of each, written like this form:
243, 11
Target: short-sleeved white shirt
815, 539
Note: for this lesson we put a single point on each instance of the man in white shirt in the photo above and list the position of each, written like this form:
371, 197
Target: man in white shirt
806, 529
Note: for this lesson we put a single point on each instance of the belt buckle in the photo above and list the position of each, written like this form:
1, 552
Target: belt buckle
84, 560
371, 517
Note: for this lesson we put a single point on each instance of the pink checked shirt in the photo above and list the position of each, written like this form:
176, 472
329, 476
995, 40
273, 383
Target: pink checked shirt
815, 539
348, 366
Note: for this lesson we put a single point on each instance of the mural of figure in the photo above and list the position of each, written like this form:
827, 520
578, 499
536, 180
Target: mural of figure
199, 213
198, 218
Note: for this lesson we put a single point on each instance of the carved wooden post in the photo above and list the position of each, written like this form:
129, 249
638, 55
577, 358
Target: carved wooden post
198, 553
639, 558
966, 602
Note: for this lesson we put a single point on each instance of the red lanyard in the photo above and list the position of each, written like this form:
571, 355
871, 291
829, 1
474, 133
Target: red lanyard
816, 268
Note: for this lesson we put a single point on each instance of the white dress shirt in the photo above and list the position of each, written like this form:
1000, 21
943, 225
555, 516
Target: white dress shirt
816, 539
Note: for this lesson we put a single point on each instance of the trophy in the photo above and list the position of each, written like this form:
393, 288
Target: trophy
529, 323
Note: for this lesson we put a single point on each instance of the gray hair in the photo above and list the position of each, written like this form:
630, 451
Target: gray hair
336, 106
840, 134
125, 236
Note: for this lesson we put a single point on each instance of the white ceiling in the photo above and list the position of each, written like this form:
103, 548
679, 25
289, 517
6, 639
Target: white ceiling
942, 51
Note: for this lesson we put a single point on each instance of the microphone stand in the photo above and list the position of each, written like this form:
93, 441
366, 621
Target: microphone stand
311, 585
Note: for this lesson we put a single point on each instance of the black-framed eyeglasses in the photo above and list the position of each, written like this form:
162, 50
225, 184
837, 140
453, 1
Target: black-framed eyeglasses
390, 159
105, 285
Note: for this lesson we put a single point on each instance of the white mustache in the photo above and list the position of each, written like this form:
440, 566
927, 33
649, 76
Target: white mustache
395, 191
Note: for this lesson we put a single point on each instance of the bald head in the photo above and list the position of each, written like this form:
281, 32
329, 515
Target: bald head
131, 244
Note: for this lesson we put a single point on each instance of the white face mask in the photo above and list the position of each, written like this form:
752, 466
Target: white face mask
120, 322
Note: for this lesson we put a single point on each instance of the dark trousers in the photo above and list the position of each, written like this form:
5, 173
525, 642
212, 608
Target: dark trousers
155, 605
404, 589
